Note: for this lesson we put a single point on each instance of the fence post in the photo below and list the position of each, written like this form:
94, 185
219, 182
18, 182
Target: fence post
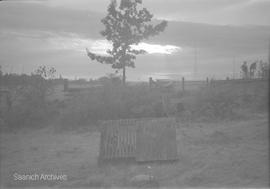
65, 84
183, 84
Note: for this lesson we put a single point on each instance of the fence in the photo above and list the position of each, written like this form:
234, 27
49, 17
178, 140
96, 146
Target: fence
191, 85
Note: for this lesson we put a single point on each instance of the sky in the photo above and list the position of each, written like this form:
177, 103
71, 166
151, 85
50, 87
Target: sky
204, 38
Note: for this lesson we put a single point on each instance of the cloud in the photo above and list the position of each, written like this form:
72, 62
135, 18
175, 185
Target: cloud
74, 42
99, 46
158, 49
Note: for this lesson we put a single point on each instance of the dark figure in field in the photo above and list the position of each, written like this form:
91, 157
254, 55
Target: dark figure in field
183, 113
152, 83
244, 68
252, 69
212, 82
65, 85
180, 108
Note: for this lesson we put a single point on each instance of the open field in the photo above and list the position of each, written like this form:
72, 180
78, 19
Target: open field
108, 94
217, 154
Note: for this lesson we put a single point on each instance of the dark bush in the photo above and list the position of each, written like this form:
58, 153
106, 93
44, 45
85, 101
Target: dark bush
112, 102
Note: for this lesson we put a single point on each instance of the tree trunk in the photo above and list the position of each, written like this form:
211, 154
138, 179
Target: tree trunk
124, 75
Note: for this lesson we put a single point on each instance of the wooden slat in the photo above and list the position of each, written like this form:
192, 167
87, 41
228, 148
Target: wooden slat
145, 139
118, 139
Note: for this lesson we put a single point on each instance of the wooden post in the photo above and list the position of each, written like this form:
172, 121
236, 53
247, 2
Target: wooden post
65, 84
150, 82
183, 84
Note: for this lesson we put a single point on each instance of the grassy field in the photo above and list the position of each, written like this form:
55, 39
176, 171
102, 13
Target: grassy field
216, 154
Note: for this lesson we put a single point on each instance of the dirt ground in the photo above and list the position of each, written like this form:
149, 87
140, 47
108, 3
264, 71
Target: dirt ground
224, 154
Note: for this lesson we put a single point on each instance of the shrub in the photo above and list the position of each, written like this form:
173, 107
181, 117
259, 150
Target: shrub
226, 101
215, 104
112, 102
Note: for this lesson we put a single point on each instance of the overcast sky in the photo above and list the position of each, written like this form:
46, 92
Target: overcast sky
223, 33
205, 11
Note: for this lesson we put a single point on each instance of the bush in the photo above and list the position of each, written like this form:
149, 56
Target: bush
215, 104
226, 101
26, 113
28, 104
112, 102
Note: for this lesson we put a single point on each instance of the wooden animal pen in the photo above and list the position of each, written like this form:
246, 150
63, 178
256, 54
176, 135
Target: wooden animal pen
141, 139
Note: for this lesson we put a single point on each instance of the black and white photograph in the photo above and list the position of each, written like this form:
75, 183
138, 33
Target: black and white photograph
134, 94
